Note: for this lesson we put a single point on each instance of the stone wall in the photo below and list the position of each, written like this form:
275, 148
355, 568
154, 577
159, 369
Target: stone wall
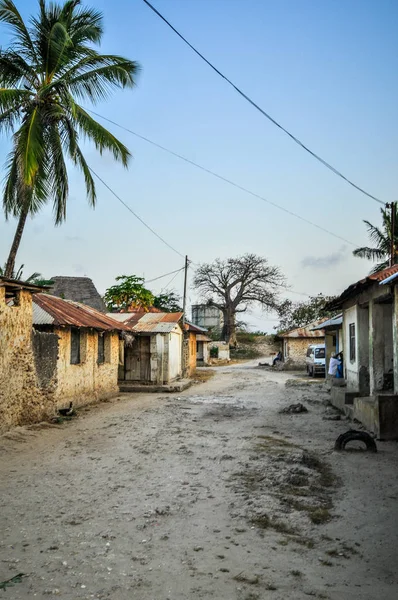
295, 349
88, 381
22, 400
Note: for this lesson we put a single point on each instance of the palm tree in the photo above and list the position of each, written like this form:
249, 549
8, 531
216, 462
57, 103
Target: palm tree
35, 278
50, 64
381, 240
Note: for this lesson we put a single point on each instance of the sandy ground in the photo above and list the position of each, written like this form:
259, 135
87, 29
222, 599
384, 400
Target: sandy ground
208, 494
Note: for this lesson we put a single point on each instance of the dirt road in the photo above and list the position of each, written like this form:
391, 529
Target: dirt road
208, 494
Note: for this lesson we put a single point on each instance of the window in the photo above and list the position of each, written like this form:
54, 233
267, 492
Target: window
101, 349
74, 346
352, 341
309, 351
319, 352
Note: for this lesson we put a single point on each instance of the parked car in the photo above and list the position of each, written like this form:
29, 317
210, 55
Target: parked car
315, 360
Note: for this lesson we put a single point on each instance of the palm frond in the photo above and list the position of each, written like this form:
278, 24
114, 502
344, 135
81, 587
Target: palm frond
101, 137
57, 42
29, 146
97, 84
376, 235
9, 14
14, 70
369, 253
380, 267
57, 174
88, 178
10, 98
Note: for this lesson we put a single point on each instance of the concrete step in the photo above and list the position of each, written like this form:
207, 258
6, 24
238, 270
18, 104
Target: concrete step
340, 397
139, 388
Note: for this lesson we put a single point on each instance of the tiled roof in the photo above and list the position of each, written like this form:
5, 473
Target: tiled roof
50, 310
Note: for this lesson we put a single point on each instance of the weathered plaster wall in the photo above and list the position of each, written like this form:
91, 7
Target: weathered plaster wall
21, 399
191, 353
175, 354
45, 353
88, 381
351, 366
223, 351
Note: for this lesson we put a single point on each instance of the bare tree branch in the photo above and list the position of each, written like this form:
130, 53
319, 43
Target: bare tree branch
236, 284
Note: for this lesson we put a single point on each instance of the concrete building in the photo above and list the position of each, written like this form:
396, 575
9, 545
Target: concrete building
370, 332
208, 317
295, 343
152, 350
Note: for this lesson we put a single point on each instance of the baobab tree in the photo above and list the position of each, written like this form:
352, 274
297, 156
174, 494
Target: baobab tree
236, 284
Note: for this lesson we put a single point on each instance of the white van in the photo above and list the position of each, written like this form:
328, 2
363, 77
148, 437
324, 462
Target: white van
315, 360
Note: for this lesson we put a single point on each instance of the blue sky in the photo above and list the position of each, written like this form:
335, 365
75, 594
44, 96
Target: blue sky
326, 70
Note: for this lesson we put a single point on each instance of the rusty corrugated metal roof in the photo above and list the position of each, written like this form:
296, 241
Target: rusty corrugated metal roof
73, 314
151, 317
157, 322
305, 332
359, 286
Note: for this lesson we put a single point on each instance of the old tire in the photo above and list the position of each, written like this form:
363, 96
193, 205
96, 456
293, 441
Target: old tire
354, 435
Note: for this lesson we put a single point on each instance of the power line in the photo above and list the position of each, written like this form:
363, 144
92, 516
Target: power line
265, 114
229, 181
165, 275
135, 214
172, 279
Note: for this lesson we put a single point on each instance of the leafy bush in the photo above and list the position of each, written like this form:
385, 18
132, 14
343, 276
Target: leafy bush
214, 352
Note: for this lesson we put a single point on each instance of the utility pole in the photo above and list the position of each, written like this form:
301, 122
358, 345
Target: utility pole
184, 305
392, 207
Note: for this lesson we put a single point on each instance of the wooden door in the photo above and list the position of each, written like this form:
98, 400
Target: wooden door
145, 359
132, 361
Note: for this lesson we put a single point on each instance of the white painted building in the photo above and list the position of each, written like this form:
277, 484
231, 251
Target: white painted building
370, 336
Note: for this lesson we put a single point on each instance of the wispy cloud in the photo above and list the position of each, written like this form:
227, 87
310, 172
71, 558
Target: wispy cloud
324, 262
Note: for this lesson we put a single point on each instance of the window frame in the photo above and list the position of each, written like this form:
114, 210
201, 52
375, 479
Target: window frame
352, 341
100, 346
75, 346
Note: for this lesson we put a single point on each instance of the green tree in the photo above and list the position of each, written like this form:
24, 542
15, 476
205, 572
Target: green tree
300, 314
50, 65
168, 302
380, 237
128, 295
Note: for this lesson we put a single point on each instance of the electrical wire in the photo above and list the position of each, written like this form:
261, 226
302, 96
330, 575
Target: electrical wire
222, 178
171, 281
165, 275
265, 114
135, 214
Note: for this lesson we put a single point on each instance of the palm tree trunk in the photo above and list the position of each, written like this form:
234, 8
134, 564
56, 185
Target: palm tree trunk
10, 266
